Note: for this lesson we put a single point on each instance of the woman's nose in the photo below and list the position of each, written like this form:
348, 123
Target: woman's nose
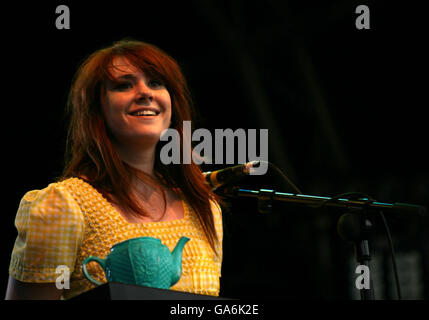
144, 92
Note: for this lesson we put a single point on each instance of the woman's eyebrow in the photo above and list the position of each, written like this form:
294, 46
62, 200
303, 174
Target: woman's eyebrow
128, 76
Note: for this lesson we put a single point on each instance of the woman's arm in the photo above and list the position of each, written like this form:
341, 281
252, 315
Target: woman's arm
18, 290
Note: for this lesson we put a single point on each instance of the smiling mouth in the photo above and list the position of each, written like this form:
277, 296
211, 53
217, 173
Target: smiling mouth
145, 113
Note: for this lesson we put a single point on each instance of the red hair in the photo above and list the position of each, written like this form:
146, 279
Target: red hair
89, 149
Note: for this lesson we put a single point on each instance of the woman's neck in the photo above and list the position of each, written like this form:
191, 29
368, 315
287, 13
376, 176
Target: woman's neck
142, 159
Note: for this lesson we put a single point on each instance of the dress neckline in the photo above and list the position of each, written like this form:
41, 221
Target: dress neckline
118, 215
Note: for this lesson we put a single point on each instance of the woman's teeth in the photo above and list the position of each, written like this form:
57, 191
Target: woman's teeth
145, 113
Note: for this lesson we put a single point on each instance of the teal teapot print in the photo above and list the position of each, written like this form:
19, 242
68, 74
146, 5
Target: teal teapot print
143, 261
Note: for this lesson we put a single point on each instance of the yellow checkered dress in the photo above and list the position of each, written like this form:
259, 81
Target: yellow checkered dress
68, 221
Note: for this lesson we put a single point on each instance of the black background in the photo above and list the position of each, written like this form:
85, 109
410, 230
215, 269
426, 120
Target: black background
345, 109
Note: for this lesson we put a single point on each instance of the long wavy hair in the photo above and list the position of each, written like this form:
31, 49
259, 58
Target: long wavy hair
90, 152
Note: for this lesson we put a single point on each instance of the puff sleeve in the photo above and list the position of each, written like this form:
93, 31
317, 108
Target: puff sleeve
50, 229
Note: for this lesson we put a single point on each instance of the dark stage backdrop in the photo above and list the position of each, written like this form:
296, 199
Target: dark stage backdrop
345, 109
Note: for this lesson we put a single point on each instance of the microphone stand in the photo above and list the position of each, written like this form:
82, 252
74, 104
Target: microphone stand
354, 226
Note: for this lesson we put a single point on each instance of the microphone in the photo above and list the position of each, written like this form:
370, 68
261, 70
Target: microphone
221, 177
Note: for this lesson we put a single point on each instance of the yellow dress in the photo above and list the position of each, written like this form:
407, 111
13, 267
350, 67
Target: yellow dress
68, 221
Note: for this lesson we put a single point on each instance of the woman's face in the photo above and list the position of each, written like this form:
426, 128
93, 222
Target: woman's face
137, 108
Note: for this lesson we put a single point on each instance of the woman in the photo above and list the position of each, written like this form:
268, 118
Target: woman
114, 186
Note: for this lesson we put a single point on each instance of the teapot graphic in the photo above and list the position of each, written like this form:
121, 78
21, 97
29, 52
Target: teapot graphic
143, 261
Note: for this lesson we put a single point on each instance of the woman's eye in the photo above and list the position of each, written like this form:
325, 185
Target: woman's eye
123, 86
155, 83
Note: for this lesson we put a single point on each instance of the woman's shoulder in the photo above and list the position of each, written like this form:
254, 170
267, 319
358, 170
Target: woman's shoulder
53, 189
51, 204
75, 184
64, 193
58, 188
